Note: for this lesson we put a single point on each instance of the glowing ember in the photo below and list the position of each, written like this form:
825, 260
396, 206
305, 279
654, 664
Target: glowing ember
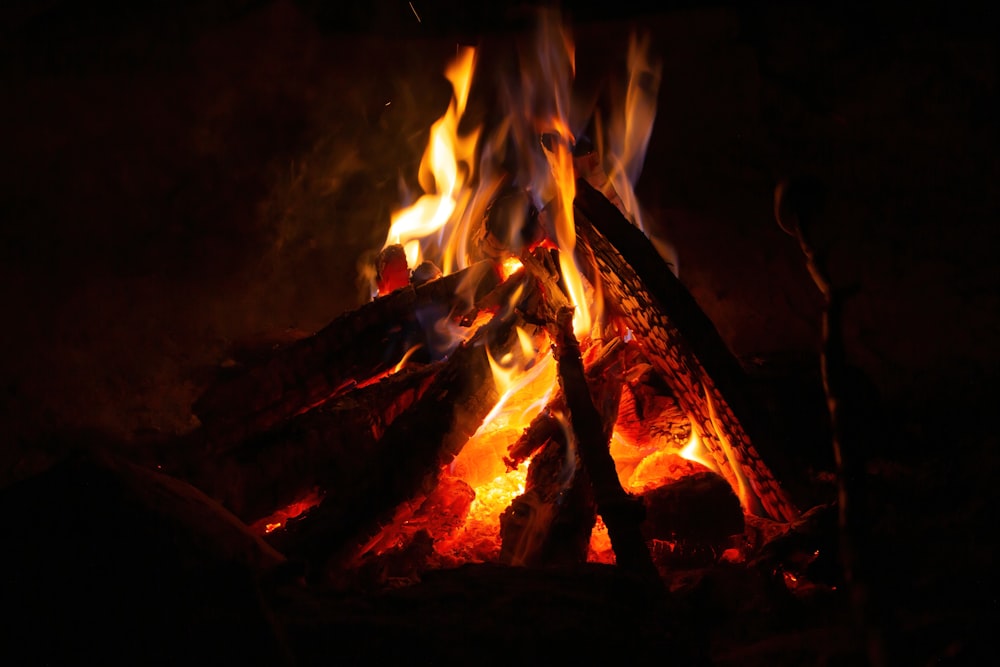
278, 520
510, 266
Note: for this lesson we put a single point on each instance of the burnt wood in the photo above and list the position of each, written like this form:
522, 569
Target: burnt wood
681, 342
407, 460
352, 348
550, 524
621, 512
545, 426
319, 448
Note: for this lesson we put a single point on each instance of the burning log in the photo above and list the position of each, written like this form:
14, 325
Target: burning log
681, 342
354, 347
319, 448
510, 223
696, 515
551, 522
546, 427
622, 513
391, 269
407, 460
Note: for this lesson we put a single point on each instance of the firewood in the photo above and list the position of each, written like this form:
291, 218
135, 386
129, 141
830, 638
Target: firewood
546, 426
355, 346
550, 524
622, 513
697, 515
509, 225
318, 448
408, 458
681, 342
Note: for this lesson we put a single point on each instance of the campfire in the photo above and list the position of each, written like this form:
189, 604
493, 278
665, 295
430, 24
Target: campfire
530, 384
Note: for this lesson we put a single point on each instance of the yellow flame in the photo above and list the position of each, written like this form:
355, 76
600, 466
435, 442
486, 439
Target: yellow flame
557, 60
561, 161
406, 357
631, 128
747, 499
444, 169
509, 266
695, 451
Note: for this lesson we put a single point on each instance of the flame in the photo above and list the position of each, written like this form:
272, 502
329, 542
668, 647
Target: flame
746, 496
510, 266
444, 169
406, 357
695, 451
631, 128
561, 161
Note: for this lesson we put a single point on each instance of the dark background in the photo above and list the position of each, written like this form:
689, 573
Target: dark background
183, 183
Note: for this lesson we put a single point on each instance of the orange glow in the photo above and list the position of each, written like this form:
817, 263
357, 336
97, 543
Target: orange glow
444, 170
600, 544
271, 523
510, 266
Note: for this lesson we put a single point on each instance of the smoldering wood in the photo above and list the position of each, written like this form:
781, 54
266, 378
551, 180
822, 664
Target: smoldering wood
406, 462
545, 427
680, 341
622, 513
509, 224
391, 269
318, 448
353, 347
698, 513
550, 524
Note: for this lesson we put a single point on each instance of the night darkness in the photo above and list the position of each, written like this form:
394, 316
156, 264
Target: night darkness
189, 185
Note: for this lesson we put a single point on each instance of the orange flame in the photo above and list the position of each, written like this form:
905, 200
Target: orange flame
444, 169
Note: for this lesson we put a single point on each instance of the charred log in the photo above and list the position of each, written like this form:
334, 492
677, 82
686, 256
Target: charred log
696, 515
510, 224
354, 347
391, 269
681, 342
319, 448
407, 460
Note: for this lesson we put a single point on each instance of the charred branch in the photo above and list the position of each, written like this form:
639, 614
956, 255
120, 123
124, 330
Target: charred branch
545, 427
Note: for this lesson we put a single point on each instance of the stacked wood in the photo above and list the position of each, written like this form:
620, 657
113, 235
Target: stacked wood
406, 461
681, 342
352, 348
319, 448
